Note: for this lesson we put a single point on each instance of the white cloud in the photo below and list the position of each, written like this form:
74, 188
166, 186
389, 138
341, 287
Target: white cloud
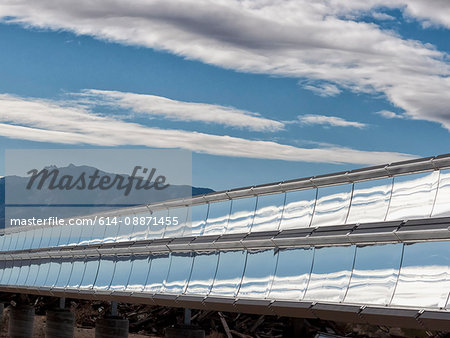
315, 41
382, 16
324, 89
431, 13
389, 114
151, 105
70, 123
332, 121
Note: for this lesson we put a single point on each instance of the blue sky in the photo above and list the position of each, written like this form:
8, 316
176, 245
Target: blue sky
258, 92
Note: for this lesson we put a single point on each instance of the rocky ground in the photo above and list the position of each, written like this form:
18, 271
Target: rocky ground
150, 321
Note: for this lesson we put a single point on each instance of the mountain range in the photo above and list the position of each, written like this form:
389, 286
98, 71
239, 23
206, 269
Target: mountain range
95, 198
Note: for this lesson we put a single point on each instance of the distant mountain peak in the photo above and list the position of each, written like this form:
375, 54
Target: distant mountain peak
174, 191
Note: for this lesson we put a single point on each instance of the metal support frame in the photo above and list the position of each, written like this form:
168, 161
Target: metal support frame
408, 231
410, 317
428, 229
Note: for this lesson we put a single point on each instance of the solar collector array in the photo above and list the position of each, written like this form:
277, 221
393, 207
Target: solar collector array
187, 260
416, 275
412, 196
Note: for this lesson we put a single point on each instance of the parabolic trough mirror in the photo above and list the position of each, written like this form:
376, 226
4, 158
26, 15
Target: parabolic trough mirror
373, 237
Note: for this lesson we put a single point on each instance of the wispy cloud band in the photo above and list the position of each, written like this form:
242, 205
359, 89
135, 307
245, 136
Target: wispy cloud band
387, 114
151, 105
331, 121
67, 122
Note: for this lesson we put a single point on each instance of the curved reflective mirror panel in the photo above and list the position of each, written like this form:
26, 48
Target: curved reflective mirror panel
203, 272
292, 274
46, 234
64, 238
269, 209
298, 209
13, 241
14, 275
140, 267
178, 217
258, 274
104, 232
158, 273
4, 242
137, 228
229, 273
53, 272
28, 239
370, 201
121, 273
242, 213
6, 272
7, 242
32, 273
17, 241
218, 215
77, 233
55, 235
330, 274
424, 279
23, 273
157, 224
5, 238
21, 240
90, 273
125, 231
41, 277
64, 273
85, 236
413, 196
76, 277
179, 273
375, 274
105, 273
197, 216
332, 205
442, 203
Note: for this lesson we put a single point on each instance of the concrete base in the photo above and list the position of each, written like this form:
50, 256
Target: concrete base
60, 324
21, 319
111, 327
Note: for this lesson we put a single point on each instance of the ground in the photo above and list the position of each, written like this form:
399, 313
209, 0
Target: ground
150, 321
